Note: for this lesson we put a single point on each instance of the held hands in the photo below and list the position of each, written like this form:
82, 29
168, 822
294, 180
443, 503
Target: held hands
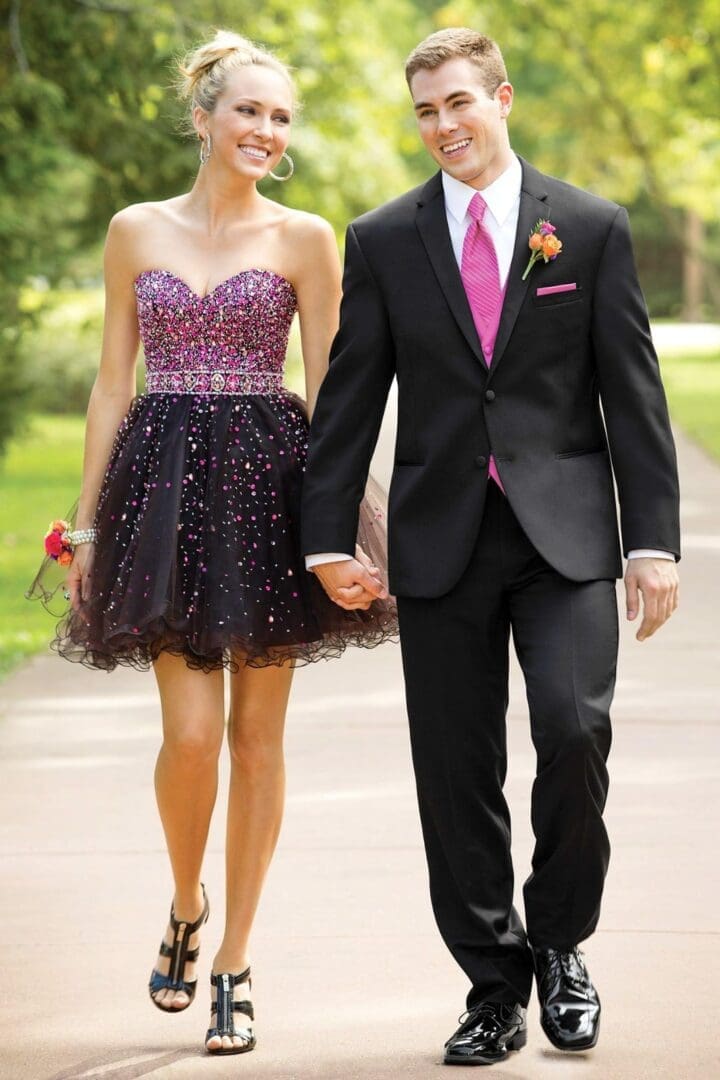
79, 574
353, 583
657, 580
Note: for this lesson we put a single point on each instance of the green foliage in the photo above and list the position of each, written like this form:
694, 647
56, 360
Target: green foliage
620, 99
60, 351
46, 463
35, 179
89, 123
693, 389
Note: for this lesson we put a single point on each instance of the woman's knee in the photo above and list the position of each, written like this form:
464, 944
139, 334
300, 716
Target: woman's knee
193, 741
255, 746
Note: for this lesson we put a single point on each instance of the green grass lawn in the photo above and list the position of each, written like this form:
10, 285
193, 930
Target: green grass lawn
40, 479
693, 389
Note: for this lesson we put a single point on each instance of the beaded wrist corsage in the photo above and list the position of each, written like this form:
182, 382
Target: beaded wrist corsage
61, 541
82, 536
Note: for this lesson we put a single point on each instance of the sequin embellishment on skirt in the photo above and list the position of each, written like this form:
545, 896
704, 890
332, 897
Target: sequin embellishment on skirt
198, 548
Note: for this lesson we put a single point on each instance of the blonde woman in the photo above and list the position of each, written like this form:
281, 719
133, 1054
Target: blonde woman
187, 532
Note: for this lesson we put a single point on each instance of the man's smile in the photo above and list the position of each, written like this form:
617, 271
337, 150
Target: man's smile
455, 149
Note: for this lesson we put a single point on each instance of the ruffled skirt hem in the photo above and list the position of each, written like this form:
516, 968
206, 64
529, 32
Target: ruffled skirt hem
141, 651
198, 547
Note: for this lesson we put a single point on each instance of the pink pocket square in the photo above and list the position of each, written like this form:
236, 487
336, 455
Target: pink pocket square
547, 289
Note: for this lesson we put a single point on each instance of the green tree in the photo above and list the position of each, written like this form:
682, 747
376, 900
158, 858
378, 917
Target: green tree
621, 99
90, 123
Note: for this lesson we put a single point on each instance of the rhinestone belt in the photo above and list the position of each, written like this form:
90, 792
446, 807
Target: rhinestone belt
213, 382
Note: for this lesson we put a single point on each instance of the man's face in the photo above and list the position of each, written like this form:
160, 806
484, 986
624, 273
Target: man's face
462, 126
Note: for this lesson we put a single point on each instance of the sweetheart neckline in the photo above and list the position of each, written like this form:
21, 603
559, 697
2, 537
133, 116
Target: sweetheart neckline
226, 281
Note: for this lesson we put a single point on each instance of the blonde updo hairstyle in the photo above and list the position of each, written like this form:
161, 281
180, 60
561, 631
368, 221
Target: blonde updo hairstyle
204, 71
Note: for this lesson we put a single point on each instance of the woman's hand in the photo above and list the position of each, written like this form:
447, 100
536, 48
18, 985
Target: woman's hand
79, 575
367, 562
349, 584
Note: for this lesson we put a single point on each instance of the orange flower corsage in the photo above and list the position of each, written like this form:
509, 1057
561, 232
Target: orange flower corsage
57, 543
543, 244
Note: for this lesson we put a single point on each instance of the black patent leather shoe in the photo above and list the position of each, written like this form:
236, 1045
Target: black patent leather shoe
486, 1034
569, 1004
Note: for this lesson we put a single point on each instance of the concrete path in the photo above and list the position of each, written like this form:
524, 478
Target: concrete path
351, 979
677, 337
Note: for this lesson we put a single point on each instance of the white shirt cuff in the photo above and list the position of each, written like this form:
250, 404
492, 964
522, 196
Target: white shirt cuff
325, 557
650, 553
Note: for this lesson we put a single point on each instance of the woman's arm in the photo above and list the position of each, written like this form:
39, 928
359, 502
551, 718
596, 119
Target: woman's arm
114, 386
318, 289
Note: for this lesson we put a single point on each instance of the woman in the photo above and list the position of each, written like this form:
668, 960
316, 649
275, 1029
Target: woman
187, 549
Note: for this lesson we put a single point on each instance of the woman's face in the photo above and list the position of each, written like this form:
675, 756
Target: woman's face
250, 125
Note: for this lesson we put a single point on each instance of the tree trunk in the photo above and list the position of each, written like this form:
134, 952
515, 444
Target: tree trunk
693, 267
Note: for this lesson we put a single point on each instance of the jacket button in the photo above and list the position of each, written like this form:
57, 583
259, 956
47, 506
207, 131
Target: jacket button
481, 461
489, 395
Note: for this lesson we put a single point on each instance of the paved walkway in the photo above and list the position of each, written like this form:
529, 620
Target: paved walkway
351, 979
677, 337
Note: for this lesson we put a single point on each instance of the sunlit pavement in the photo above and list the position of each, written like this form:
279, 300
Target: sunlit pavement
686, 337
351, 979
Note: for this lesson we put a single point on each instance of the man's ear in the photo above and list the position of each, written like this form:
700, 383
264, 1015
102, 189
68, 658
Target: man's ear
504, 95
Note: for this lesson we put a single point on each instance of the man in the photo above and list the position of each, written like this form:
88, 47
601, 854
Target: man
501, 517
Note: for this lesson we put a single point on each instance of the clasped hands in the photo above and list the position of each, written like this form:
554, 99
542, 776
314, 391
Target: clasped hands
352, 584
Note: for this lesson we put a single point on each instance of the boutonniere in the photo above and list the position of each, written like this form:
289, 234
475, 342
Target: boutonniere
543, 244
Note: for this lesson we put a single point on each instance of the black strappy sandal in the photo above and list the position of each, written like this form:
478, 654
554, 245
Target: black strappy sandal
179, 955
225, 1007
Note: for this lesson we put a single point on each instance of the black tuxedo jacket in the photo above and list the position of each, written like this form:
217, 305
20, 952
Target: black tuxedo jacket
557, 357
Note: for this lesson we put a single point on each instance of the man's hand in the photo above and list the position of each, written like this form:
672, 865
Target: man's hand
350, 584
657, 580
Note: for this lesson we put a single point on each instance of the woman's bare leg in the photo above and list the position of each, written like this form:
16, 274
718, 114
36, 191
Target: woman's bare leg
259, 698
186, 777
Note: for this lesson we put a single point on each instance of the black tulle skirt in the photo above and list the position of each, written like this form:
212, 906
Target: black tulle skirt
198, 545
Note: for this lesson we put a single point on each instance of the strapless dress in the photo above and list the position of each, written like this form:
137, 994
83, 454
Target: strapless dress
198, 540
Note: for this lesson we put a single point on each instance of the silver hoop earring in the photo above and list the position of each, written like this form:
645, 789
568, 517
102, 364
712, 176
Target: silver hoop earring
205, 149
288, 174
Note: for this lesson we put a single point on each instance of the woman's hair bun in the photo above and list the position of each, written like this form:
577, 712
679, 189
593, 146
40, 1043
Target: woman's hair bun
202, 60
203, 72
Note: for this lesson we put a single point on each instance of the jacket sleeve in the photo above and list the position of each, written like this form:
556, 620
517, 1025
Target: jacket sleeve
349, 411
633, 400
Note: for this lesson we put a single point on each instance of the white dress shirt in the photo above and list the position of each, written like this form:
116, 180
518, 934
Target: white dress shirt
502, 198
501, 217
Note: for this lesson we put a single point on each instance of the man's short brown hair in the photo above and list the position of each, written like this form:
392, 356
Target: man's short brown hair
459, 42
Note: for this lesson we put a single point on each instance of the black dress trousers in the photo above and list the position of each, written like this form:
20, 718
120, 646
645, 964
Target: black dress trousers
455, 658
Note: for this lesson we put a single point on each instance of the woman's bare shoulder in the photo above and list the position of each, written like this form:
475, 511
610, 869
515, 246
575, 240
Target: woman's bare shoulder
138, 216
137, 230
301, 225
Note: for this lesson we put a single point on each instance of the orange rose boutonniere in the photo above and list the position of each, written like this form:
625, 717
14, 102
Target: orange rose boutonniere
543, 244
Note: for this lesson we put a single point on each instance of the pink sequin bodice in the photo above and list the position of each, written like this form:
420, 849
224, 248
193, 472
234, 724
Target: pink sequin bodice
232, 341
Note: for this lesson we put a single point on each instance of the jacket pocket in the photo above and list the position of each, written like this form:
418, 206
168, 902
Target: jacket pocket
558, 299
581, 453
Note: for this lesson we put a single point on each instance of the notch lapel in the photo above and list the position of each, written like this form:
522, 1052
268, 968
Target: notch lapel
533, 205
432, 225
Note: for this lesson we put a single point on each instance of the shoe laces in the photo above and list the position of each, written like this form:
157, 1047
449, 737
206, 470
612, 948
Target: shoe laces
567, 966
485, 1008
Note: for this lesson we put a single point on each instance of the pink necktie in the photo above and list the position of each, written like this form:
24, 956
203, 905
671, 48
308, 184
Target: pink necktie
481, 278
